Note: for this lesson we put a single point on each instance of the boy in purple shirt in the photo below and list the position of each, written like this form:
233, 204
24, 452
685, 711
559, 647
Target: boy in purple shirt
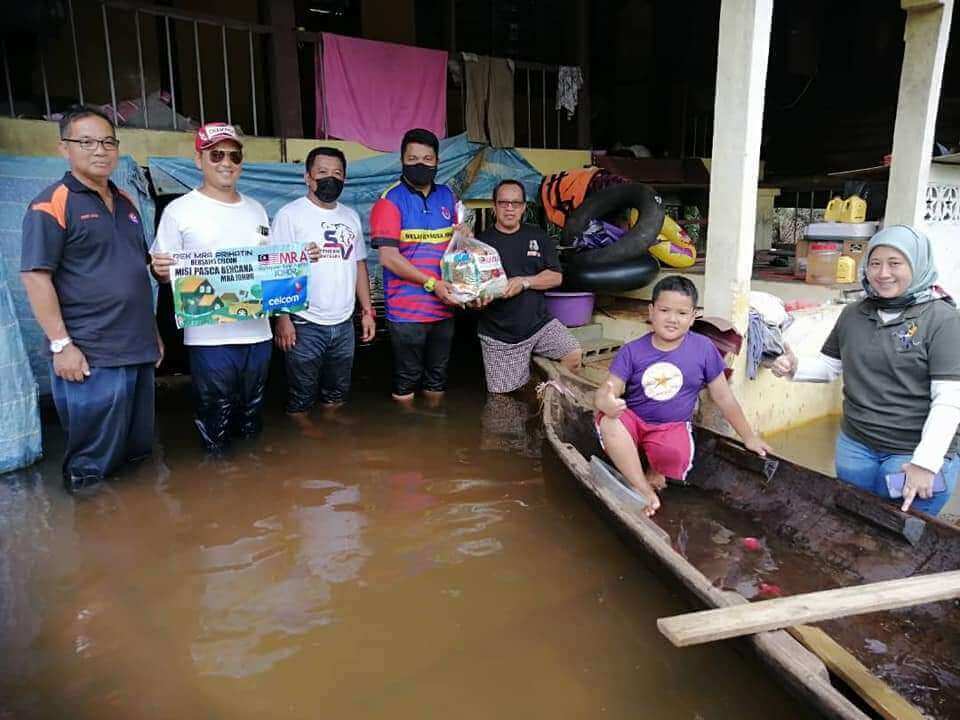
660, 376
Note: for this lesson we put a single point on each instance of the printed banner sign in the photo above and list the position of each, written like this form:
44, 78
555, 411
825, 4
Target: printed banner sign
224, 286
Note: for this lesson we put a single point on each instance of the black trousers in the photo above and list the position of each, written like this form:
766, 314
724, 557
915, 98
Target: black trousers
229, 382
421, 354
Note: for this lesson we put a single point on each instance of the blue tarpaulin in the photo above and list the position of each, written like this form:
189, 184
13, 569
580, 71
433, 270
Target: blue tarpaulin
472, 170
21, 179
20, 443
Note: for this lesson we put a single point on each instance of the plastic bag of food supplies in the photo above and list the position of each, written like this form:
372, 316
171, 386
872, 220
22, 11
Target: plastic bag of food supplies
473, 269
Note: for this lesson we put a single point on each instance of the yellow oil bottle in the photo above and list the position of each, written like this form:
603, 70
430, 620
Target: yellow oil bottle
834, 210
846, 269
854, 210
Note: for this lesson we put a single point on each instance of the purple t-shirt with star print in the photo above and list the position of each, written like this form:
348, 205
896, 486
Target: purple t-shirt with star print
662, 387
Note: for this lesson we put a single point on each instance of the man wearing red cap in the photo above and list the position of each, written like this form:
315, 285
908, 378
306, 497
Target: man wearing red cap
229, 362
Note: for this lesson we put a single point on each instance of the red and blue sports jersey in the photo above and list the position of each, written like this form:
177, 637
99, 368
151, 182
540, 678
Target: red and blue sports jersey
421, 228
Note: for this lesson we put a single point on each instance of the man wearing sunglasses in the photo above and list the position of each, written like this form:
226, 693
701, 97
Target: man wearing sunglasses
518, 324
229, 362
84, 267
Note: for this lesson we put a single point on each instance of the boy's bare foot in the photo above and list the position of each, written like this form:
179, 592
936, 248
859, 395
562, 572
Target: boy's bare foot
643, 489
657, 481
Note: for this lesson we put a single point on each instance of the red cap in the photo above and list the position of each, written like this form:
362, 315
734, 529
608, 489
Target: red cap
215, 132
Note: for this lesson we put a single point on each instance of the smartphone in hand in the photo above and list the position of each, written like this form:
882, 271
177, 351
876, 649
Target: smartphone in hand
896, 481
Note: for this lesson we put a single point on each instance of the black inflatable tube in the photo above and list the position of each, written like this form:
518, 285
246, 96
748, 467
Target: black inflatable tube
638, 239
611, 278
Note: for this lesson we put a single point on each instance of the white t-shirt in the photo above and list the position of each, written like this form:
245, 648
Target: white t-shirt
332, 287
198, 222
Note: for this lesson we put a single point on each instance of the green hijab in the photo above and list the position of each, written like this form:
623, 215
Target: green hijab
916, 248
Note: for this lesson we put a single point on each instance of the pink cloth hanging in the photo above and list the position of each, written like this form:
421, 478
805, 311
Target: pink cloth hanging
373, 92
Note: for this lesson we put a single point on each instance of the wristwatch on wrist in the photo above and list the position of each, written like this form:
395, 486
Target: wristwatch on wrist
525, 284
430, 284
57, 346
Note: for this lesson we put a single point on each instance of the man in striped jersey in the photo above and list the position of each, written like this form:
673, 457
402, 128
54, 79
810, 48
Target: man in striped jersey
411, 226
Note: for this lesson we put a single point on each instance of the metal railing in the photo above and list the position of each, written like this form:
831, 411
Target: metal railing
532, 97
168, 16
696, 136
529, 70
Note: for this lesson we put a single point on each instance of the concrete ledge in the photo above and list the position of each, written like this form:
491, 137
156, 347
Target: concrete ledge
783, 289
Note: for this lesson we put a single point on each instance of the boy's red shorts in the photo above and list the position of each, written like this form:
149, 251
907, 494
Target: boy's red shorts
668, 446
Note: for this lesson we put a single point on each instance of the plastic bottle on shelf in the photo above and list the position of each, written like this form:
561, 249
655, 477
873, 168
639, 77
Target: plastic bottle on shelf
834, 210
854, 210
846, 269
822, 259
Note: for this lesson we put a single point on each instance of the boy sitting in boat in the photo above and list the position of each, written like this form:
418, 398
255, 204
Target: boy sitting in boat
649, 396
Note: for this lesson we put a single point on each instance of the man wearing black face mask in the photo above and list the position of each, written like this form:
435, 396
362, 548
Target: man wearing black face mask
412, 224
319, 341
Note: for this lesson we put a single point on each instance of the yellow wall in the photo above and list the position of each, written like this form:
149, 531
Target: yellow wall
39, 137
299, 148
554, 161
772, 404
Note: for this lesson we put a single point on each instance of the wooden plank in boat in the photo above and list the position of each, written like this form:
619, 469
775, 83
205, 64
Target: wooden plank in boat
886, 701
724, 623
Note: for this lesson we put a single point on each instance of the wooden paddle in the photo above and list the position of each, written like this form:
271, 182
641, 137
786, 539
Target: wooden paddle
722, 623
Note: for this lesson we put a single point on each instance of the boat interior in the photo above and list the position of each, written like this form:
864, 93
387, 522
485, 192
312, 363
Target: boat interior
763, 528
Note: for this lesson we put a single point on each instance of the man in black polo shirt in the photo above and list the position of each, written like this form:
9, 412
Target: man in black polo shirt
517, 325
84, 266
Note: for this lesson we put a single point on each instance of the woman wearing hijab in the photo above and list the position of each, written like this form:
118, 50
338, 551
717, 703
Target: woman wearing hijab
898, 351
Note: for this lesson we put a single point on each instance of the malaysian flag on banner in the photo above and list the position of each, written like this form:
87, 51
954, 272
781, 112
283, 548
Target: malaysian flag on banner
273, 258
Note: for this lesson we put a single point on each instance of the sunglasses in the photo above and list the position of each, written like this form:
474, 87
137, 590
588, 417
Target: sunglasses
217, 156
511, 204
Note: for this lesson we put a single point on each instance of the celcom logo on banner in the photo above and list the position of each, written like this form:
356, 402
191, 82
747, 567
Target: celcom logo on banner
287, 294
273, 302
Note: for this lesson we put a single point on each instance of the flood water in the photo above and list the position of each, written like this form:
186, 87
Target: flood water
386, 565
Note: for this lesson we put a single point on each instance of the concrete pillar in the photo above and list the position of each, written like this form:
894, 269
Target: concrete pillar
734, 171
925, 37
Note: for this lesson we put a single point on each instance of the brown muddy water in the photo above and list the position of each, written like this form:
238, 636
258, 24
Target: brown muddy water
386, 565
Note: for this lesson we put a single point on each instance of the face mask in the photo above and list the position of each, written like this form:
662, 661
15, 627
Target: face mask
419, 175
328, 189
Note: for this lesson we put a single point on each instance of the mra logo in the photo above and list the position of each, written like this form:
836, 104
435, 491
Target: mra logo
338, 237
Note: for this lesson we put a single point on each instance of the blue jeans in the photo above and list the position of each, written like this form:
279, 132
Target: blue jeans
867, 469
229, 383
107, 420
319, 365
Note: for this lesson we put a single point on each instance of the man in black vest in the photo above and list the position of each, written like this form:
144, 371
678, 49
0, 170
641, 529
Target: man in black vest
517, 325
